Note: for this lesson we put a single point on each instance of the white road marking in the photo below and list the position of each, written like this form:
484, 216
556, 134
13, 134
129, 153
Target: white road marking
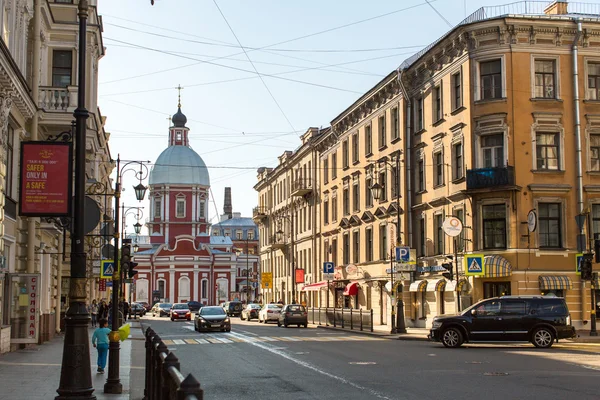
201, 341
178, 341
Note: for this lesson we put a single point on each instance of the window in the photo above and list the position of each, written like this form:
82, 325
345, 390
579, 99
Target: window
395, 123
490, 74
547, 151
395, 184
437, 103
345, 154
326, 170
178, 136
460, 240
334, 166
422, 241
549, 219
595, 152
239, 235
512, 307
419, 115
204, 289
346, 254
457, 168
545, 80
421, 175
368, 193
438, 168
456, 91
216, 232
227, 233
382, 183
334, 209
494, 226
157, 207
383, 244
346, 201
593, 79
368, 140
356, 196
180, 208
355, 148
382, 135
369, 244
334, 251
250, 235
491, 308
492, 149
595, 218
10, 151
326, 212
62, 65
438, 221
356, 251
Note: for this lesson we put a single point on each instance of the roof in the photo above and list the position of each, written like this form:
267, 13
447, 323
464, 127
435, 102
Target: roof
148, 251
179, 165
222, 240
236, 222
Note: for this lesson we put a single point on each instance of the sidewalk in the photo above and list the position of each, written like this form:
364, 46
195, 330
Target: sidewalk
34, 373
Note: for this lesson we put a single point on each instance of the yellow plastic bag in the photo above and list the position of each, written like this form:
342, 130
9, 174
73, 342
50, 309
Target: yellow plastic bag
124, 332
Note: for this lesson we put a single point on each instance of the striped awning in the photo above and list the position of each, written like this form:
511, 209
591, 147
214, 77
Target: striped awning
463, 284
555, 282
418, 286
496, 267
436, 285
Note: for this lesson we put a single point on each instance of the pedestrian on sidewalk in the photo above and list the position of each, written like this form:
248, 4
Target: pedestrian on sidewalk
94, 311
100, 342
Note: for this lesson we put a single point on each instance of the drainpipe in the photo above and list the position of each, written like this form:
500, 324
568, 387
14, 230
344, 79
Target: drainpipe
407, 160
57, 312
577, 118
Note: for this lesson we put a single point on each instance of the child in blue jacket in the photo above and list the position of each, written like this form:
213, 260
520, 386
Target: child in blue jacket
100, 342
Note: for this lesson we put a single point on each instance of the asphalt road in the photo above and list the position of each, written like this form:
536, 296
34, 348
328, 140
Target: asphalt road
255, 361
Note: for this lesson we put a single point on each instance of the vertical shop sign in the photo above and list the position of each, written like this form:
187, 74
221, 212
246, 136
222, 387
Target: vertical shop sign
102, 285
32, 283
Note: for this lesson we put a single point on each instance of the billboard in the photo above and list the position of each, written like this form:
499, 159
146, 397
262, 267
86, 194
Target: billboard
46, 179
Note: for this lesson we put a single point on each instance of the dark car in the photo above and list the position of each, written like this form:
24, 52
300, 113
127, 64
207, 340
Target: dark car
536, 319
212, 318
250, 311
293, 314
233, 308
161, 309
137, 309
180, 311
144, 304
194, 306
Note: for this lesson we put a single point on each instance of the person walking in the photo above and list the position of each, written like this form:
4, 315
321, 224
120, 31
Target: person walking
100, 342
94, 312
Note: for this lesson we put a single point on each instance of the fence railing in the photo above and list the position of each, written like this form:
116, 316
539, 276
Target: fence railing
347, 318
164, 380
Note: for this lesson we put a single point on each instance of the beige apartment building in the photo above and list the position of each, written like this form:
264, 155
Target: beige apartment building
493, 125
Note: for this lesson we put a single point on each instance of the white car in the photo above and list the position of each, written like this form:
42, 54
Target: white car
269, 312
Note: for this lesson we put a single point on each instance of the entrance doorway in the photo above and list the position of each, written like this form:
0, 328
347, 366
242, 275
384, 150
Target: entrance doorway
495, 289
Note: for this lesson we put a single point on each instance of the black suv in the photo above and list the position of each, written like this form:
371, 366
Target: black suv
536, 319
233, 308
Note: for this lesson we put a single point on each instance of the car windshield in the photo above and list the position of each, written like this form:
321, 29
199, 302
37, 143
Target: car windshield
180, 307
166, 305
277, 306
256, 306
212, 311
295, 308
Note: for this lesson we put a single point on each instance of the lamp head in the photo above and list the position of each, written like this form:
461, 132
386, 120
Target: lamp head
376, 191
140, 191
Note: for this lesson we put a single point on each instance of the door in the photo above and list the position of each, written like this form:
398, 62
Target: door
495, 289
487, 323
515, 316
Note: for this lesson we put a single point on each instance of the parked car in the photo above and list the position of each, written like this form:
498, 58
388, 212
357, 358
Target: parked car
536, 319
194, 306
137, 309
269, 312
250, 311
161, 309
180, 311
212, 318
293, 314
147, 306
233, 308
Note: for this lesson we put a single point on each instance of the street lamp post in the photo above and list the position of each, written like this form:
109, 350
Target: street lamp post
125, 210
398, 324
113, 382
75, 372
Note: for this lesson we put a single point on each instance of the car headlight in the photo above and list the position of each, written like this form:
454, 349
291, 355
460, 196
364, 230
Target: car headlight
436, 324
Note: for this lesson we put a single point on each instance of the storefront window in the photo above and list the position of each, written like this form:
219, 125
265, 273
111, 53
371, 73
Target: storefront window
495, 289
554, 293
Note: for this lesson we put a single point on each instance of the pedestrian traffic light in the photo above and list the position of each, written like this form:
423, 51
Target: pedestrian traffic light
448, 275
125, 256
586, 267
132, 272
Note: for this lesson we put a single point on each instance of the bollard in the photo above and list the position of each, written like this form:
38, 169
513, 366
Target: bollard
168, 384
149, 334
361, 321
158, 379
343, 318
371, 320
351, 321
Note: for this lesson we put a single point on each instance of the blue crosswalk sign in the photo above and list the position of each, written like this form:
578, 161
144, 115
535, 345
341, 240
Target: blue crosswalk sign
328, 268
107, 268
474, 264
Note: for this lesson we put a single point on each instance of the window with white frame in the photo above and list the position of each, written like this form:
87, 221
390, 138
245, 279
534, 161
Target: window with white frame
355, 195
395, 123
550, 225
355, 148
346, 201
490, 79
547, 149
239, 234
419, 116
202, 210
184, 288
334, 165
438, 168
382, 133
356, 245
383, 184
251, 234
594, 144
595, 219
157, 207
368, 192
345, 154
457, 161
368, 140
456, 82
437, 103
492, 150
383, 242
334, 209
545, 79
422, 239
180, 208
346, 244
394, 182
326, 212
369, 244
438, 221
494, 226
326, 170
593, 80
204, 289
421, 175
216, 232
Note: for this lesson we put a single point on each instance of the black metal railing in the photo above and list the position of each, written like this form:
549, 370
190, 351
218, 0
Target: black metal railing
259, 211
164, 380
483, 178
347, 318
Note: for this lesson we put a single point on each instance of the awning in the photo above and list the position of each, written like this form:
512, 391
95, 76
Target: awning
315, 287
436, 285
496, 267
462, 283
418, 286
351, 289
555, 282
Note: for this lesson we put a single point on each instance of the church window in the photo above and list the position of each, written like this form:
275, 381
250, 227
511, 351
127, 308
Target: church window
157, 207
184, 288
180, 211
202, 210
204, 289
178, 135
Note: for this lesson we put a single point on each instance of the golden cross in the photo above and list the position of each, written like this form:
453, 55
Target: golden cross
179, 95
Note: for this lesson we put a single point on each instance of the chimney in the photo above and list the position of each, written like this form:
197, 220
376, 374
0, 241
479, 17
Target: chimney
227, 207
559, 7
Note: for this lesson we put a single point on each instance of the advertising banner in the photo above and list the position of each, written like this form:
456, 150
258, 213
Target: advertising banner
46, 179
299, 275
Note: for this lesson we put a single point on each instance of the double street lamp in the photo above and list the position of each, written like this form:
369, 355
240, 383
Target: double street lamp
398, 324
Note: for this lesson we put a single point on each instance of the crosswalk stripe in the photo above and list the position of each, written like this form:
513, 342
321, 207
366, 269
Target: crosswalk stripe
290, 339
238, 338
168, 342
201, 341
213, 340
190, 341
269, 339
178, 341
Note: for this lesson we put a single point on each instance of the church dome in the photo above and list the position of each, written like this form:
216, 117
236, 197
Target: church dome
179, 165
179, 119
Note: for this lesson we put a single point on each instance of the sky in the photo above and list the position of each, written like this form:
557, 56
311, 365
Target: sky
302, 63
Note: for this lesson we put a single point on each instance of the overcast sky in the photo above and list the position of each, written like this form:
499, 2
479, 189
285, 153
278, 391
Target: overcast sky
314, 57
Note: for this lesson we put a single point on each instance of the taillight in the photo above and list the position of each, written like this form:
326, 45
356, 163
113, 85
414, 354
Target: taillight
269, 311
304, 314
288, 313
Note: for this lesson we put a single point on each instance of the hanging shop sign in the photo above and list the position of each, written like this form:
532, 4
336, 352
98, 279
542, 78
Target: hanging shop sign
46, 179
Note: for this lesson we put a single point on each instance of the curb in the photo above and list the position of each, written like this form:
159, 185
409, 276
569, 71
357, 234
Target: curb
408, 336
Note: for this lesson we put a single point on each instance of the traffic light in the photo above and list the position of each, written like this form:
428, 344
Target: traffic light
586, 267
132, 272
125, 256
448, 275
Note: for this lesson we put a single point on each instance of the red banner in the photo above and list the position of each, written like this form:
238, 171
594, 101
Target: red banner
46, 179
299, 276
102, 285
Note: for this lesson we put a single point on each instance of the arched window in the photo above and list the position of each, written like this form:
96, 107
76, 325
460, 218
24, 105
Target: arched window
184, 288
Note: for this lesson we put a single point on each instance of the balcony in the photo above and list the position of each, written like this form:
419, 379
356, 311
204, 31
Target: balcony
259, 213
276, 244
494, 179
301, 186
58, 99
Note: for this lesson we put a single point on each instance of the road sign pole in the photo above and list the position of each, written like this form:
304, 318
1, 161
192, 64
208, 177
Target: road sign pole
456, 275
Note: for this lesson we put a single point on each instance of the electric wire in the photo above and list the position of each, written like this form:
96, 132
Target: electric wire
438, 13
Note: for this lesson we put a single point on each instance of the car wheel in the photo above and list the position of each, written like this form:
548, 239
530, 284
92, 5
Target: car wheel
452, 337
306, 325
298, 326
172, 319
542, 338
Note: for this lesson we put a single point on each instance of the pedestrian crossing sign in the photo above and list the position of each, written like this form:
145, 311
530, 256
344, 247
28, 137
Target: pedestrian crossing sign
107, 269
474, 265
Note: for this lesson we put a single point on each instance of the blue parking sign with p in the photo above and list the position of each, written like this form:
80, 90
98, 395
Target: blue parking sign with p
403, 254
328, 268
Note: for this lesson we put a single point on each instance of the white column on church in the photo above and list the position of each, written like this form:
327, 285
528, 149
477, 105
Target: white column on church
172, 284
196, 295
166, 198
194, 211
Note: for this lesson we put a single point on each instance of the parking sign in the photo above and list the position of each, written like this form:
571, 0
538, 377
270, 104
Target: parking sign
328, 270
403, 254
